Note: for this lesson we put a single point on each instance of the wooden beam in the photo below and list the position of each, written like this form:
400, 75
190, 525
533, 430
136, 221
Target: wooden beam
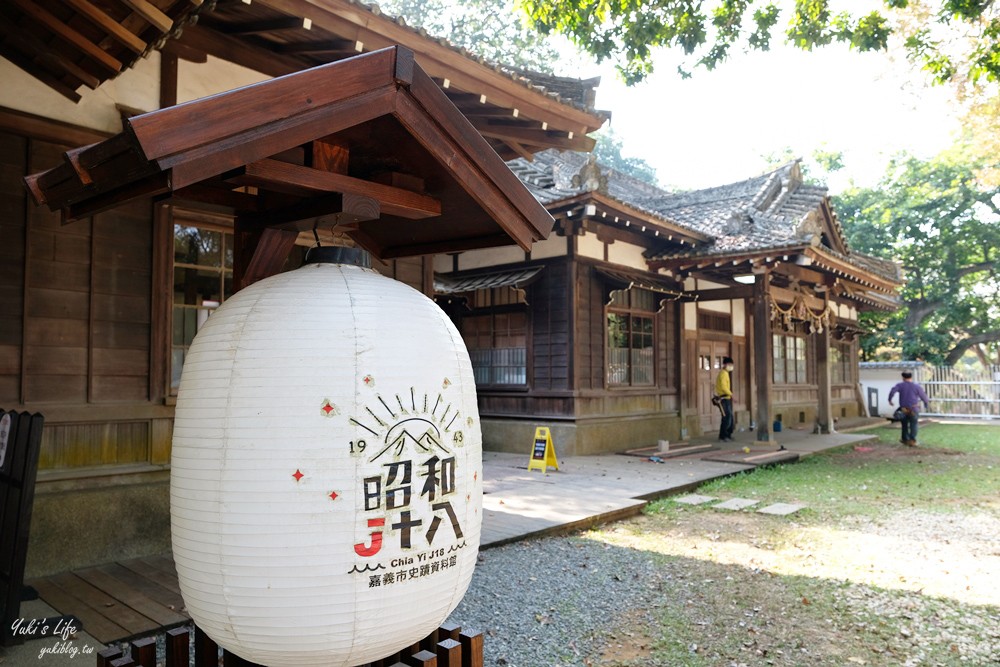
293, 179
439, 247
168, 80
719, 293
126, 38
44, 57
91, 50
150, 186
346, 19
259, 253
515, 198
785, 295
345, 47
245, 109
150, 14
519, 150
257, 143
184, 52
214, 198
326, 211
533, 137
264, 26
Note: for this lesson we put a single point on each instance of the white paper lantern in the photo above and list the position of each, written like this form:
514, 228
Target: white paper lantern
326, 482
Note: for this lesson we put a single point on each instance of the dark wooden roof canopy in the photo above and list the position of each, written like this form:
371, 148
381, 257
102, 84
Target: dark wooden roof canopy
369, 145
74, 43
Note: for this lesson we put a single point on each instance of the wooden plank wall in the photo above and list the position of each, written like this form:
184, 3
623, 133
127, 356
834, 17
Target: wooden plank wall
550, 314
591, 323
75, 318
13, 204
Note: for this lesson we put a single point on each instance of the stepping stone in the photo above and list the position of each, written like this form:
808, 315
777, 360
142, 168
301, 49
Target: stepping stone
735, 504
781, 509
694, 499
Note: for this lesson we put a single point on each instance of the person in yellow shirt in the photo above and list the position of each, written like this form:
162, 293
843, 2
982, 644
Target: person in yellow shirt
724, 390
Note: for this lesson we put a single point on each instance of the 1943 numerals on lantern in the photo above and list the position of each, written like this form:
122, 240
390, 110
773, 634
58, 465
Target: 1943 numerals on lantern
358, 446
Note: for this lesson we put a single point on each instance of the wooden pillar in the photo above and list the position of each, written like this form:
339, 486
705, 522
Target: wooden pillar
168, 80
762, 357
685, 388
824, 413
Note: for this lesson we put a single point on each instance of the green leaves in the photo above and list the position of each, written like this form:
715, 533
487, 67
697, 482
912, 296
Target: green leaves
943, 224
628, 31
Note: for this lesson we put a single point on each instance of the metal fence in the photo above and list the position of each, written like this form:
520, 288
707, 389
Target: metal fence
961, 392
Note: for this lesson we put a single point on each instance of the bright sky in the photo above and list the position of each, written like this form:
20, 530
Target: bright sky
715, 127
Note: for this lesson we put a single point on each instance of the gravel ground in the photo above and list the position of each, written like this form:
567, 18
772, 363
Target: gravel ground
553, 601
734, 599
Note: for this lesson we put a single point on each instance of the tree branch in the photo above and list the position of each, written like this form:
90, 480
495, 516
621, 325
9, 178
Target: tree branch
919, 311
976, 268
958, 351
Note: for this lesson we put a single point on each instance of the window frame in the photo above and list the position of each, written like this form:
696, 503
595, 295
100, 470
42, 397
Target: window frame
492, 313
630, 311
794, 367
195, 220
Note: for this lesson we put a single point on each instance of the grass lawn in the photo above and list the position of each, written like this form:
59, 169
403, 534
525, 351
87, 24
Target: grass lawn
895, 561
954, 468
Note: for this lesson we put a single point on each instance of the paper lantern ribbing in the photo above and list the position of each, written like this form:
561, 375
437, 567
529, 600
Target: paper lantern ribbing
326, 482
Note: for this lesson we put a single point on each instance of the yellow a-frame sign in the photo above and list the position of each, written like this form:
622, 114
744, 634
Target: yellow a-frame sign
543, 453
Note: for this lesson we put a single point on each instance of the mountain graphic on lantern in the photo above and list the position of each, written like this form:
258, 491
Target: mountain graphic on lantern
326, 475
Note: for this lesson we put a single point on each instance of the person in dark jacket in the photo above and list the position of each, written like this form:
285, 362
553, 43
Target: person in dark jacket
911, 395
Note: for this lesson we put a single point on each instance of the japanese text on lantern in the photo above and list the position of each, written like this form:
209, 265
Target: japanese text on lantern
393, 491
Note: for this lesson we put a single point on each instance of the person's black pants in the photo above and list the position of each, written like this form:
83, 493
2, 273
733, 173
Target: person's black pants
728, 423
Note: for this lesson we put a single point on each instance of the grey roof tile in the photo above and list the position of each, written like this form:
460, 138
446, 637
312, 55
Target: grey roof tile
773, 211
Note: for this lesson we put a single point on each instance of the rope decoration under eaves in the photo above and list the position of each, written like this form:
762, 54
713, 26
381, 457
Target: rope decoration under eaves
799, 311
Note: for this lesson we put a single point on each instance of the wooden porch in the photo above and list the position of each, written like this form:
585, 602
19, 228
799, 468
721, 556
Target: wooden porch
118, 601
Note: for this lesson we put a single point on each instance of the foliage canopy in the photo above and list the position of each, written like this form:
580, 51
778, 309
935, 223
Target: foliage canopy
943, 223
949, 38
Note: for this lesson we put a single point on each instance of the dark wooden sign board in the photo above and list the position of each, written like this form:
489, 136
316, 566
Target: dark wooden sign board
20, 442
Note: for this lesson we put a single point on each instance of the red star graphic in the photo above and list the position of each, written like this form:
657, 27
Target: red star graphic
298, 475
327, 408
333, 495
468, 497
475, 476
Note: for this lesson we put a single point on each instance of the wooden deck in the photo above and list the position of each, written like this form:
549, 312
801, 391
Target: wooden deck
118, 601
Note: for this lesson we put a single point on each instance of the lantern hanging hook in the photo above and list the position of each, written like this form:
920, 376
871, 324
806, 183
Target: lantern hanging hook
316, 233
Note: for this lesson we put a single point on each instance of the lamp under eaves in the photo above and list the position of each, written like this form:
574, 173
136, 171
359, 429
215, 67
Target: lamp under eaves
326, 482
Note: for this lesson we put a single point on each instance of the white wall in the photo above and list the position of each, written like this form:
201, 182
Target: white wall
627, 254
588, 245
197, 80
882, 381
554, 246
476, 259
136, 88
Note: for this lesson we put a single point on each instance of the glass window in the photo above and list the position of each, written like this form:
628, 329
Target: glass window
497, 344
203, 280
841, 368
789, 359
631, 356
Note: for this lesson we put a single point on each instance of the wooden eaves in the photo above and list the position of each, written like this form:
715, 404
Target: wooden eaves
370, 145
518, 116
804, 263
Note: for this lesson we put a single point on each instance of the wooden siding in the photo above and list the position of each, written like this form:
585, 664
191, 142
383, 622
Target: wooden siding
13, 207
591, 324
75, 319
550, 313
